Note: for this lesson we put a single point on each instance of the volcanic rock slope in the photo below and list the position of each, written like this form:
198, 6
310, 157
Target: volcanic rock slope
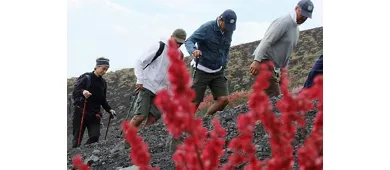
121, 84
113, 153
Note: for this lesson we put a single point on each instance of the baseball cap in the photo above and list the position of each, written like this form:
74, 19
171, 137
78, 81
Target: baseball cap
229, 17
180, 35
307, 7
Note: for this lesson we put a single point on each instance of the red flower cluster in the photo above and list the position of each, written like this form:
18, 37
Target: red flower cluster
178, 114
139, 150
260, 110
200, 153
311, 153
214, 147
78, 163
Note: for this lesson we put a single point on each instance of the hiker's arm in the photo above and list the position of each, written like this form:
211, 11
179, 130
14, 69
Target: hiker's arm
198, 36
227, 60
227, 53
275, 31
144, 60
105, 104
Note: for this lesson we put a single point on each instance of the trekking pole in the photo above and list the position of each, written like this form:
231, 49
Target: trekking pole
132, 100
196, 67
109, 121
82, 120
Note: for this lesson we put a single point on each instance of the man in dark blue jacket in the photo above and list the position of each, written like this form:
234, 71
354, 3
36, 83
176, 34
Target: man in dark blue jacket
316, 70
213, 40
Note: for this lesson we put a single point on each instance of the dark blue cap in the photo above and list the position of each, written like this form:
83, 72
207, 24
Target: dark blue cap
307, 7
229, 17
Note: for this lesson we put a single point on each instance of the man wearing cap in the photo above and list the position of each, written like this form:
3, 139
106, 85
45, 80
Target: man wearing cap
92, 89
213, 40
278, 43
152, 76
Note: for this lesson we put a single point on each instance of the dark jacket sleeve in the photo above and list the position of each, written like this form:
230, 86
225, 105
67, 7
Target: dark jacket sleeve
198, 36
316, 70
105, 104
228, 53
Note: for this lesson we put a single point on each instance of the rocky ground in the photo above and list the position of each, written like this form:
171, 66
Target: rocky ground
113, 153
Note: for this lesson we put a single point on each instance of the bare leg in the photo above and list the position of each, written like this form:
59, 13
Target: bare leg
219, 105
150, 121
137, 120
196, 105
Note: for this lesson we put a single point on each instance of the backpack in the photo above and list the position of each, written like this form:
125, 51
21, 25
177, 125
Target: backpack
80, 79
158, 53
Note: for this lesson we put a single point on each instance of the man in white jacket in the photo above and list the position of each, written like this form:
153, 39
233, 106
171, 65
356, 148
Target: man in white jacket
151, 71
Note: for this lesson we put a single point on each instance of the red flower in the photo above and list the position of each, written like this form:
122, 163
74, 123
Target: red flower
78, 163
139, 150
178, 115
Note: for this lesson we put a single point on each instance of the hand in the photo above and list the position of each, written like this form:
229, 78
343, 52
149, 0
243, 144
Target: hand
138, 87
197, 53
255, 68
112, 113
86, 93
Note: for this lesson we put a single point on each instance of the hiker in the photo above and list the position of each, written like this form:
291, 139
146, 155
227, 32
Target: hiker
92, 88
278, 43
151, 71
210, 59
317, 69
